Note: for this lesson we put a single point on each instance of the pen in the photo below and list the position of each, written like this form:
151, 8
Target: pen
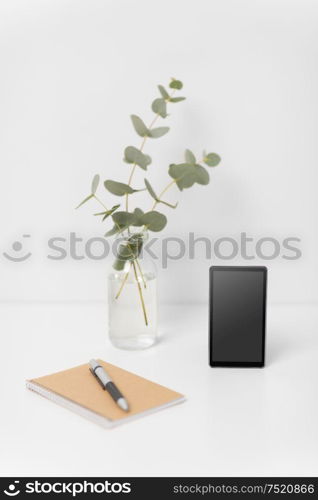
107, 384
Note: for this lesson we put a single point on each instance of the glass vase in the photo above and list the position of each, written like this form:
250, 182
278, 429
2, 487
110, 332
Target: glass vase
132, 295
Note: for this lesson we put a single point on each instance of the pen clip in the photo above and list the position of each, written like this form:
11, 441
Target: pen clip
97, 378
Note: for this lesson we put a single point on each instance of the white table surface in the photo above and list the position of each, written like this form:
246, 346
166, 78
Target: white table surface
235, 422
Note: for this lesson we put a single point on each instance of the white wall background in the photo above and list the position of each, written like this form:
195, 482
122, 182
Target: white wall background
73, 71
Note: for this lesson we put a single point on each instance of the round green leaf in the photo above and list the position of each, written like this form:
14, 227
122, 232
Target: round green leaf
134, 155
202, 176
159, 106
212, 159
184, 174
123, 218
176, 84
155, 221
138, 215
139, 126
118, 188
158, 132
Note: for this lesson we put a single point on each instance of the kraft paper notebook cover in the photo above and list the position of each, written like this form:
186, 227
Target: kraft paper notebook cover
77, 390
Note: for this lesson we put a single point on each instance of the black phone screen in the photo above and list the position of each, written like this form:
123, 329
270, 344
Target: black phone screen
237, 315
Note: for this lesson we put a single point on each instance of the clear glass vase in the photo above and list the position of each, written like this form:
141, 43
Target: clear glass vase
132, 295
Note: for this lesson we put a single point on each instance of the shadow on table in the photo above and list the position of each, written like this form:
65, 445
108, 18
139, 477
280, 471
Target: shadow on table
279, 349
181, 321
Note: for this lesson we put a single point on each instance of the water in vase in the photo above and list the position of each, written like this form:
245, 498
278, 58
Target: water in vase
132, 310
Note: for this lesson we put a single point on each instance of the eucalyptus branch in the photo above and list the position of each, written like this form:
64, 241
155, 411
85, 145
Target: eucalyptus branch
184, 175
141, 150
132, 255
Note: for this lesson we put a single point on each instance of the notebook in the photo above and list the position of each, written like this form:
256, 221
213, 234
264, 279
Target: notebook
77, 390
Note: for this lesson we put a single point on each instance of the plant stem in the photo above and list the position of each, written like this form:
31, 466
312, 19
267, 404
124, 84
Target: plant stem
140, 149
123, 283
125, 279
99, 201
141, 273
140, 294
163, 192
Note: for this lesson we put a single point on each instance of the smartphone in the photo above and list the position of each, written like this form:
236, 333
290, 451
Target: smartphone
237, 316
